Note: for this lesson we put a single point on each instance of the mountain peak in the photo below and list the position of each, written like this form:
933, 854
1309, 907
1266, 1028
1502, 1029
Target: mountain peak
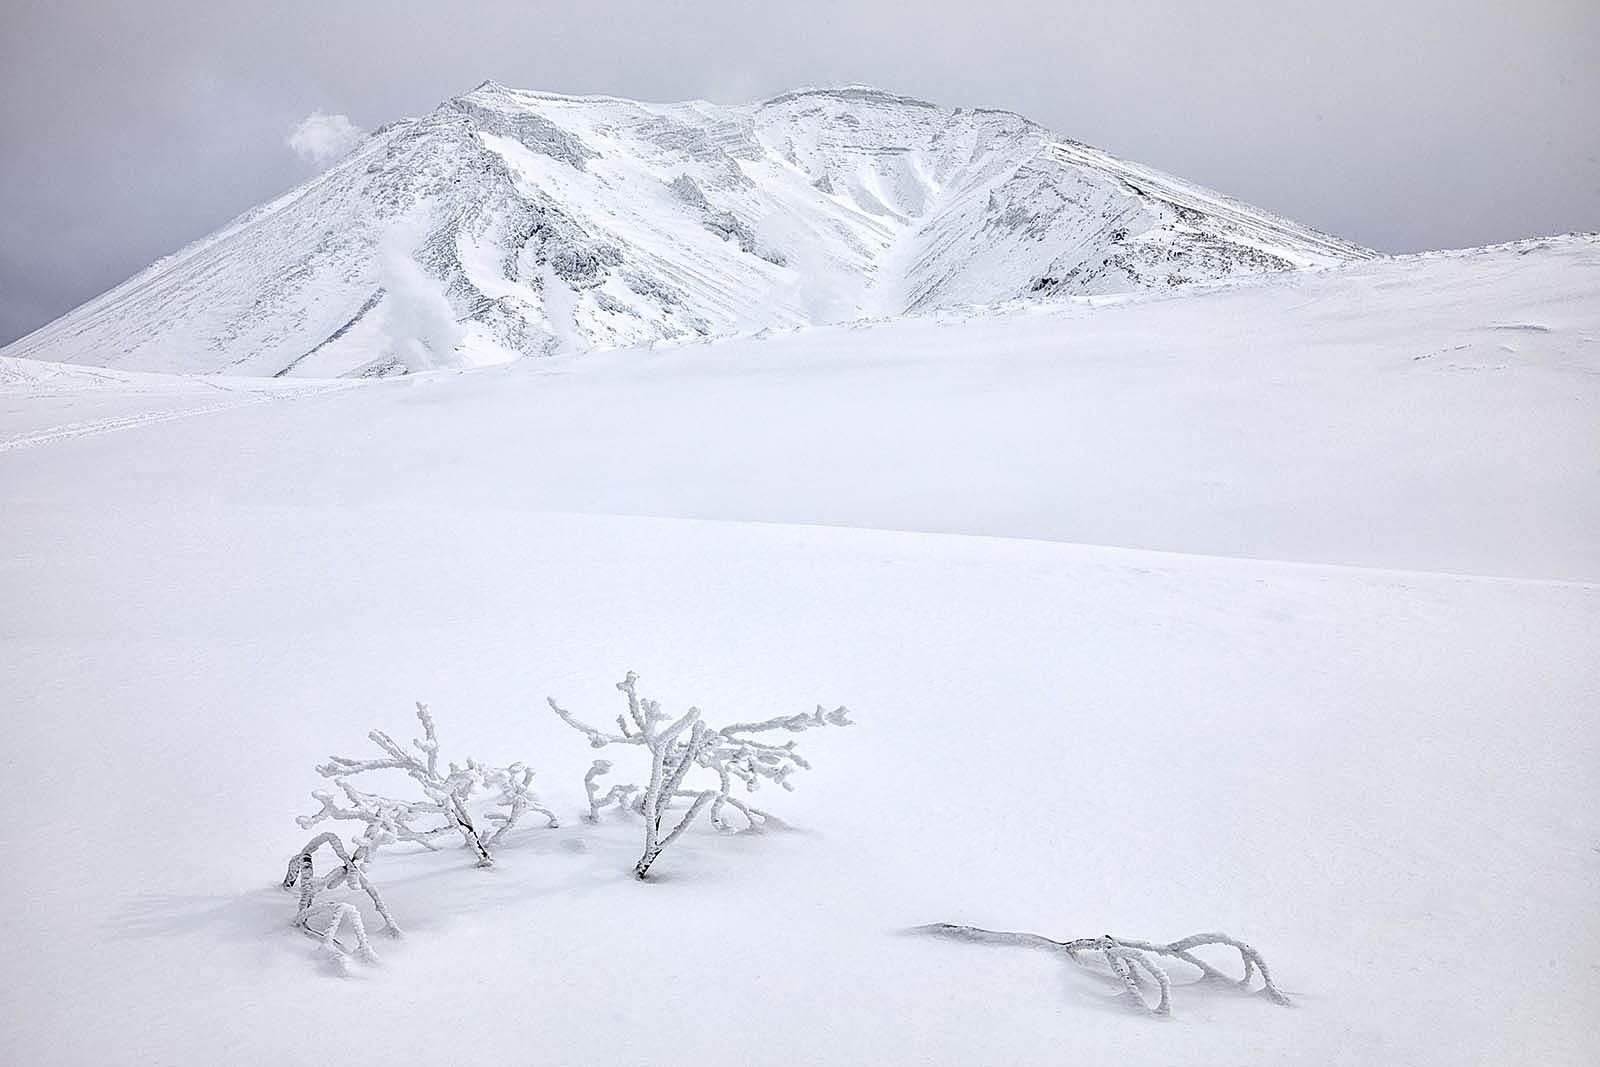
511, 222
854, 91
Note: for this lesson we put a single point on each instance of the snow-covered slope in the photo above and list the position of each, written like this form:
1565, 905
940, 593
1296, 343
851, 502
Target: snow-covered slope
1383, 778
509, 222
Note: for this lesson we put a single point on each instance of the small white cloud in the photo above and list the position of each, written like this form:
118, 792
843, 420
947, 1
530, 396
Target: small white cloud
320, 139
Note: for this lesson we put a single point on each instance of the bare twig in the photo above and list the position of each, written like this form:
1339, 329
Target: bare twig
1132, 961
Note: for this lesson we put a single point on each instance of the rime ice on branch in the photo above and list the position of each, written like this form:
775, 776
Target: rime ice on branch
1131, 961
678, 746
351, 872
618, 794
442, 812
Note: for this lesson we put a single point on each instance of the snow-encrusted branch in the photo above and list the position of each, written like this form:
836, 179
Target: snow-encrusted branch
1133, 962
677, 747
516, 796
442, 812
618, 794
350, 872
447, 793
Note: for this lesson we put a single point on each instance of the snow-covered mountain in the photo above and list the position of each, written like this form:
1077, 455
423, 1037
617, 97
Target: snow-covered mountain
510, 223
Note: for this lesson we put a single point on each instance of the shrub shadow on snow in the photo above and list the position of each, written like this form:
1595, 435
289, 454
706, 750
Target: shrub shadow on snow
246, 917
1097, 990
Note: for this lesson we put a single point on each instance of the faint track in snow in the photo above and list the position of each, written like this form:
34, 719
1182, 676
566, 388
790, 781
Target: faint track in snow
95, 427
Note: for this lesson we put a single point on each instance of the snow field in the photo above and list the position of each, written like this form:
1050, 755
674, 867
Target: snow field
1380, 777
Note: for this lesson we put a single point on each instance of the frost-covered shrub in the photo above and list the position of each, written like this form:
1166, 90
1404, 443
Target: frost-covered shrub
678, 747
1134, 962
442, 811
350, 872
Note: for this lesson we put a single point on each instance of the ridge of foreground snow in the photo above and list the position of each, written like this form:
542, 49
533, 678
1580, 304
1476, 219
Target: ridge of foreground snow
1423, 413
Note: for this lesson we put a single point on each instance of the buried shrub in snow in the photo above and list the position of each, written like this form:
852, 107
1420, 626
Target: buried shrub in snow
679, 746
735, 754
441, 812
676, 748
351, 872
1133, 962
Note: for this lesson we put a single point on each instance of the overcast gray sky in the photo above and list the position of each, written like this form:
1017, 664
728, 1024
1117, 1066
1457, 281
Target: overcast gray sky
128, 129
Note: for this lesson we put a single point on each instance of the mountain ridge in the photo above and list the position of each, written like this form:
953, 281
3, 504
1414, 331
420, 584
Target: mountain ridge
512, 222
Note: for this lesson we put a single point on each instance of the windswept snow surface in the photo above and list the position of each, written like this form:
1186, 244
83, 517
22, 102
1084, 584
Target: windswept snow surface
531, 223
1288, 723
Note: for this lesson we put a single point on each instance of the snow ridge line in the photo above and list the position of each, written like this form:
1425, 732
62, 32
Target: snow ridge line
1145, 556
